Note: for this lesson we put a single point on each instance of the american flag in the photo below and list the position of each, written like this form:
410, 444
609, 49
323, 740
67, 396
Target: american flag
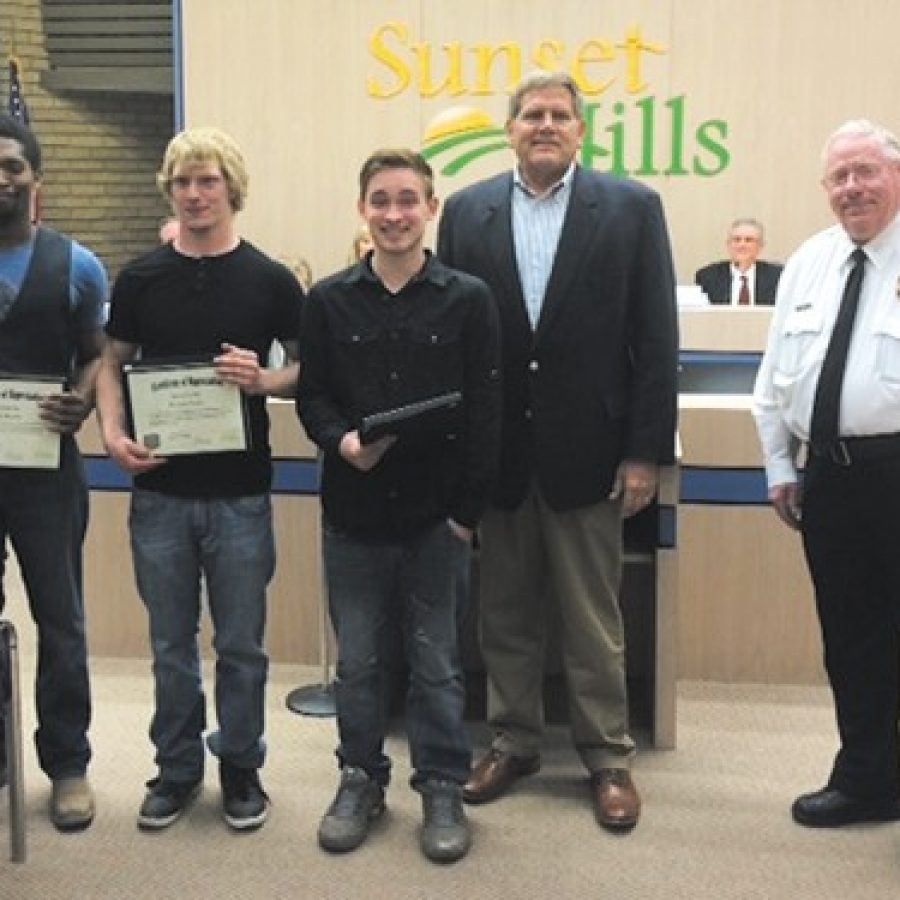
18, 108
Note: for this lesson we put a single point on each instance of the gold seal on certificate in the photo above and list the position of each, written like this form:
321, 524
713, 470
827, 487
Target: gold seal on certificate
25, 441
182, 408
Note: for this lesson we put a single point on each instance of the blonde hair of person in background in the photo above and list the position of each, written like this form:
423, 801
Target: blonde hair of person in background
361, 245
301, 268
302, 271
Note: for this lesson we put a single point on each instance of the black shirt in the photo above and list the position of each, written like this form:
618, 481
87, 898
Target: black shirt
365, 350
177, 306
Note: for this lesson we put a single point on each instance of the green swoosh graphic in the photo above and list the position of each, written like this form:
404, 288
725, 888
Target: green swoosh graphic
464, 138
464, 159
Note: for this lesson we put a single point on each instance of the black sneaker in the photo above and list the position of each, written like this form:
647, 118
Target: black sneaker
244, 802
165, 802
445, 831
359, 801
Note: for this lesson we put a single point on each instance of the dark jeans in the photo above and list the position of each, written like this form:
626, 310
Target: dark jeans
371, 586
229, 541
45, 516
850, 518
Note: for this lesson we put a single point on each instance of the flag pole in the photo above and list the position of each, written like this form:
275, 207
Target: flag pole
18, 109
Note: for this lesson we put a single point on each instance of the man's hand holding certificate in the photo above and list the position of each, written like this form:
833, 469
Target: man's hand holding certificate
26, 440
64, 413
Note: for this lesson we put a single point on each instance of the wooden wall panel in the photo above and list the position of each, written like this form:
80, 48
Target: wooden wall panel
746, 611
288, 79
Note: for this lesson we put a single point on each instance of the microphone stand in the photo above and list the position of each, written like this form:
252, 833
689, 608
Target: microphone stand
317, 699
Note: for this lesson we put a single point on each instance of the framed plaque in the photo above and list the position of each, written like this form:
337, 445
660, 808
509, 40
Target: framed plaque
25, 440
433, 415
184, 407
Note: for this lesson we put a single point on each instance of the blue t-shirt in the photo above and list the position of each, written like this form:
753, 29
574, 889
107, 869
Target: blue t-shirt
88, 284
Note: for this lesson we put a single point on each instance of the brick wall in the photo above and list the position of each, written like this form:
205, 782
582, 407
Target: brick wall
101, 151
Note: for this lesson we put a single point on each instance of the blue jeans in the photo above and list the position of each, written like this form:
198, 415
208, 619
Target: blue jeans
229, 541
45, 515
370, 587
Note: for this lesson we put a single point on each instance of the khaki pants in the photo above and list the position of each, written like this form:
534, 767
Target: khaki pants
534, 562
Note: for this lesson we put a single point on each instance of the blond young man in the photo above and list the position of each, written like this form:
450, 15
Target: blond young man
207, 295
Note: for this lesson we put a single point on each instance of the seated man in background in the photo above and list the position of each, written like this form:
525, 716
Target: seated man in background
743, 279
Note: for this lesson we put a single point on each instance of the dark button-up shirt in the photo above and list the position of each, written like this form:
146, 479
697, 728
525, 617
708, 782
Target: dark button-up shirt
365, 350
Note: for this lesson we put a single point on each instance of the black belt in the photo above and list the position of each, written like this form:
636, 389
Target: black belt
871, 448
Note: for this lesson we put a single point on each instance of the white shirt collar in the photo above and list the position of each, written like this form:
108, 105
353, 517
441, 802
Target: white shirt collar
880, 249
563, 182
736, 272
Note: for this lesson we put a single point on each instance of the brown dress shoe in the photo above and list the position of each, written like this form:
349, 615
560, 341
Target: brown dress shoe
616, 801
494, 774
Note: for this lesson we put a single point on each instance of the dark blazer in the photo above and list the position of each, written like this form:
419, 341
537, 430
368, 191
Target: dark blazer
595, 383
715, 279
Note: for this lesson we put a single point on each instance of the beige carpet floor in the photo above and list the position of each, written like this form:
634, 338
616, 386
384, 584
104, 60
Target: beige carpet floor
715, 823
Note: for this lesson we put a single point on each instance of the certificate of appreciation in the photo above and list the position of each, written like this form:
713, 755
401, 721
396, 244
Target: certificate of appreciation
181, 408
25, 441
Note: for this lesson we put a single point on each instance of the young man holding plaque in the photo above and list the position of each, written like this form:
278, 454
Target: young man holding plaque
398, 332
208, 298
52, 292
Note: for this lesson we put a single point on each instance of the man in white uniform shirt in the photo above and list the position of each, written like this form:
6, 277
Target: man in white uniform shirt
847, 506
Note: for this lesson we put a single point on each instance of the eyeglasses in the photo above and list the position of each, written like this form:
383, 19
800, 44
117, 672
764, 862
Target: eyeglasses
861, 173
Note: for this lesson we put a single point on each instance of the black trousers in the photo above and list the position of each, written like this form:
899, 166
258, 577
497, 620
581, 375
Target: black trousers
851, 537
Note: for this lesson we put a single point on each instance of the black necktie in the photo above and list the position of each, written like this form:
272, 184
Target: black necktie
823, 429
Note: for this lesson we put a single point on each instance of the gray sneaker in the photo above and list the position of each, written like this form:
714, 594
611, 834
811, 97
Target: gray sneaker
72, 803
445, 830
165, 802
359, 801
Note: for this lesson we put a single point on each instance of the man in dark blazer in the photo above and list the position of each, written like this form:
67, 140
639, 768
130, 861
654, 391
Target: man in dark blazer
581, 268
743, 279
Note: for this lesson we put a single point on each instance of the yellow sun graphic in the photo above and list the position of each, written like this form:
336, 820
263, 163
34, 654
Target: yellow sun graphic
456, 120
